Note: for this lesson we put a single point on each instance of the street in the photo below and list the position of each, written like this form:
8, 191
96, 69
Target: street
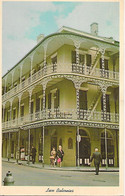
27, 176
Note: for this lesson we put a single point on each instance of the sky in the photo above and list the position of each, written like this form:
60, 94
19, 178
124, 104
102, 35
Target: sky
23, 21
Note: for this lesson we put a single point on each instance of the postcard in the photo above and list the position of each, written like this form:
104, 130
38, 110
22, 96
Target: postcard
62, 97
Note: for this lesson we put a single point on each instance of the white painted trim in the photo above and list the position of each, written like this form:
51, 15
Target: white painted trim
55, 54
84, 89
53, 90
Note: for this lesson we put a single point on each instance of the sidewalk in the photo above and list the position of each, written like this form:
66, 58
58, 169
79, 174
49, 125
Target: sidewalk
48, 167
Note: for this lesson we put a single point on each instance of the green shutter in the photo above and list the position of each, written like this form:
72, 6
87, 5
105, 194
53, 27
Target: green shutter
56, 100
73, 56
37, 104
81, 59
83, 100
88, 60
49, 101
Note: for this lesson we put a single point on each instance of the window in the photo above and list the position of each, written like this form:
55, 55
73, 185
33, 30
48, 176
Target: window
56, 99
81, 59
22, 110
41, 104
32, 107
82, 99
14, 114
37, 104
8, 115
60, 141
74, 57
88, 59
49, 100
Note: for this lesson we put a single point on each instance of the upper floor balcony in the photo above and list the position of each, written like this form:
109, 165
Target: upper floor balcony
64, 68
53, 114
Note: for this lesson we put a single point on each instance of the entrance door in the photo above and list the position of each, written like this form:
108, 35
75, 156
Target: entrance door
110, 149
84, 148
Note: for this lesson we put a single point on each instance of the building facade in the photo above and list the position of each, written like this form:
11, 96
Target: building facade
64, 91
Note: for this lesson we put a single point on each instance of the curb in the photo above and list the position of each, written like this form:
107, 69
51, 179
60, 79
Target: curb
63, 169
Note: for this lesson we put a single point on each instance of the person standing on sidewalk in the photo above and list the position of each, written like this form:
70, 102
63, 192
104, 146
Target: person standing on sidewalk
60, 154
33, 151
53, 157
97, 159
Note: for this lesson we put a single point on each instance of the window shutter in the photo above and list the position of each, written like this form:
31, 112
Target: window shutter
83, 100
81, 59
41, 104
49, 101
56, 100
32, 107
22, 110
100, 63
37, 104
88, 60
73, 56
106, 64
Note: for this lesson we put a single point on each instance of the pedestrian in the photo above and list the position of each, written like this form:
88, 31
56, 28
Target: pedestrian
53, 157
33, 151
97, 159
60, 154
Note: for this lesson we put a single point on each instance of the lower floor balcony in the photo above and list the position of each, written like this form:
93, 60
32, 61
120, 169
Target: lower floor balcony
71, 114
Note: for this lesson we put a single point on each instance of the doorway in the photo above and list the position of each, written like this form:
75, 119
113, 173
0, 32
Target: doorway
84, 148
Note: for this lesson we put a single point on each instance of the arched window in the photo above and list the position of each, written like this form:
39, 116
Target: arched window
60, 141
70, 143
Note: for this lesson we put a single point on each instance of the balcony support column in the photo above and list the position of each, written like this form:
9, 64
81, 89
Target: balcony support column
77, 85
77, 53
30, 95
77, 146
18, 147
3, 112
9, 148
19, 106
77, 102
106, 152
44, 99
28, 162
43, 145
102, 50
104, 89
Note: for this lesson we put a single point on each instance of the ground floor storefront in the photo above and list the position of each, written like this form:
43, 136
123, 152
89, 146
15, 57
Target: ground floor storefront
78, 144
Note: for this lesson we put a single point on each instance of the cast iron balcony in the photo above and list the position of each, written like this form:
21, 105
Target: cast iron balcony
71, 114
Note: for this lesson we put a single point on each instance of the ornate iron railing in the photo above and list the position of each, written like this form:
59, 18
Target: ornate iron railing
71, 114
52, 68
